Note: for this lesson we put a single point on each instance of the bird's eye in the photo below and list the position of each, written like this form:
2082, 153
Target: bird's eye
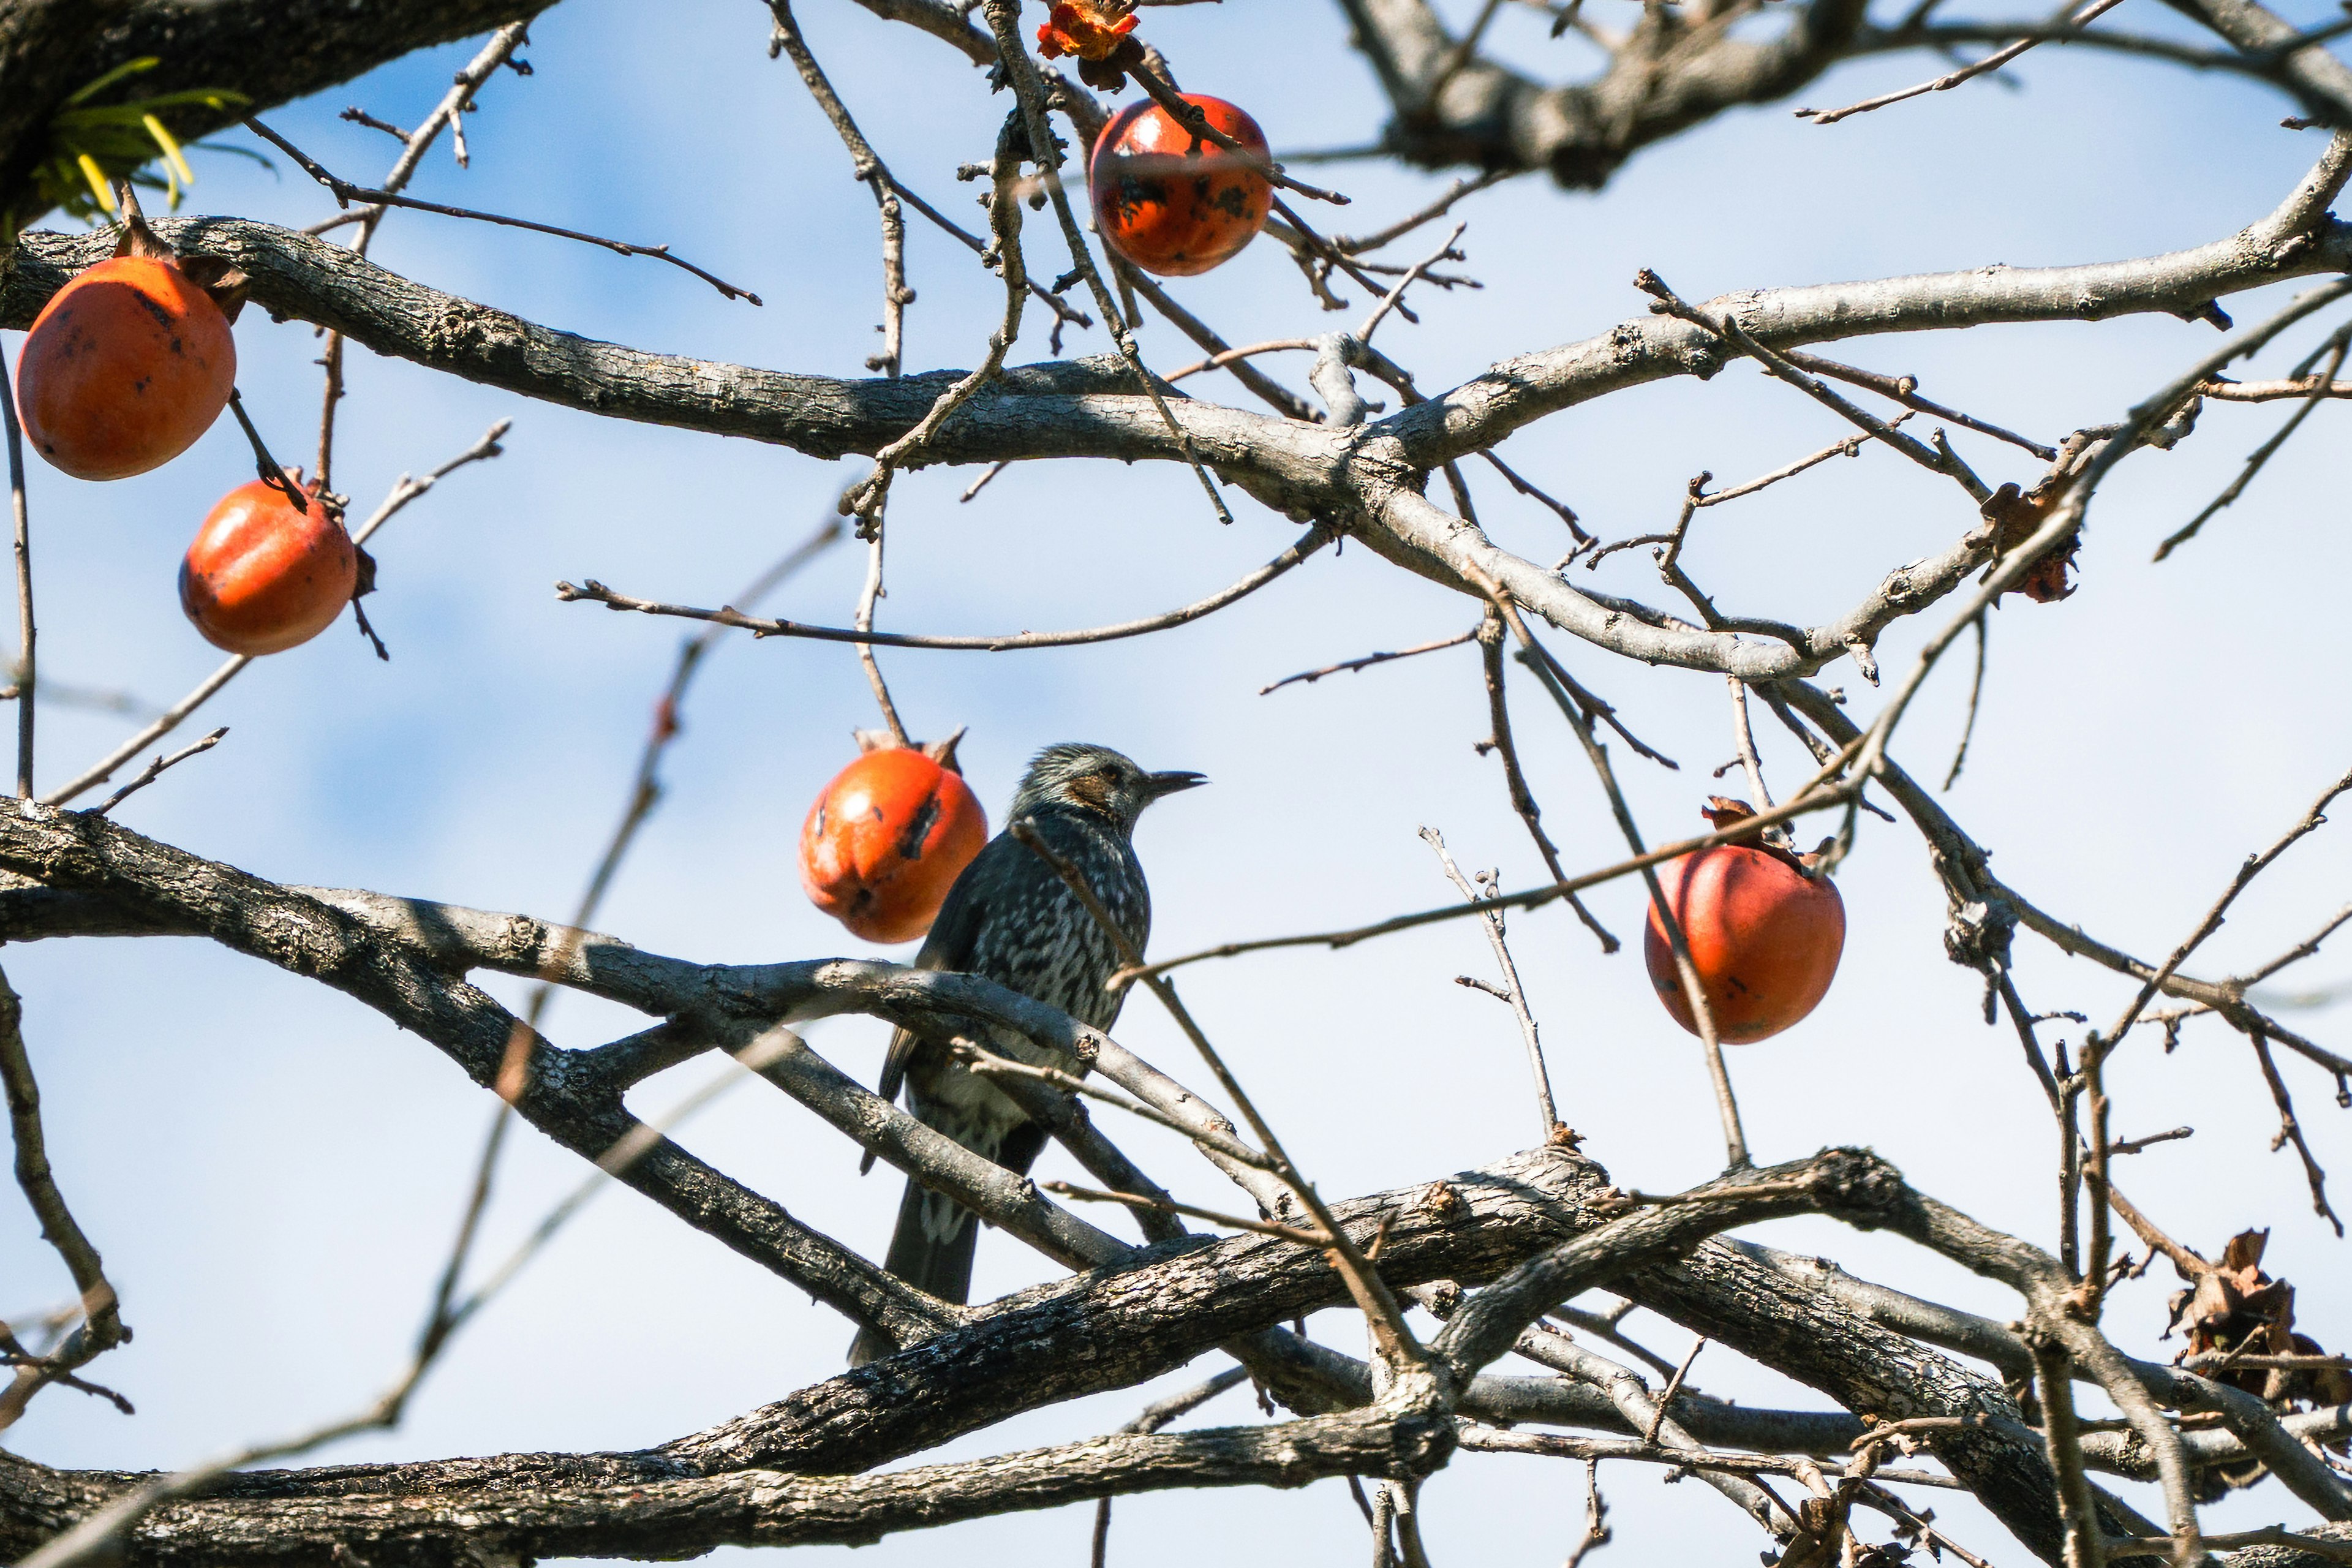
1108, 771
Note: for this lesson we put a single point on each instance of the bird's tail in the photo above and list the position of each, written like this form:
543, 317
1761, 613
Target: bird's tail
922, 1259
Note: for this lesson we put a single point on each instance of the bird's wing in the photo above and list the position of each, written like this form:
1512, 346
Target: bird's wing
947, 947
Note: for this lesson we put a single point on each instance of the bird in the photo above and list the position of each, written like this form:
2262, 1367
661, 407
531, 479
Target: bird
1009, 918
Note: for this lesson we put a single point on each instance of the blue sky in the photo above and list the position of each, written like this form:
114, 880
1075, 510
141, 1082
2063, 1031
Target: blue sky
272, 1172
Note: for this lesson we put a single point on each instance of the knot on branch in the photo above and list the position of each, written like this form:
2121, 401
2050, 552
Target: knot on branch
1856, 1186
1421, 1442
1976, 935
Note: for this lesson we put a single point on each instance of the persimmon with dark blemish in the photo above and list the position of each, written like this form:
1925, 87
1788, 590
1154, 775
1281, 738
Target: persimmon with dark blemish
1172, 202
886, 839
1764, 927
262, 577
128, 363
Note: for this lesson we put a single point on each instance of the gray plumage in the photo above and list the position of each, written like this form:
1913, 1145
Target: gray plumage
1009, 918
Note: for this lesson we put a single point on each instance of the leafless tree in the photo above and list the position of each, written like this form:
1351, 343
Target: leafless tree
1492, 1260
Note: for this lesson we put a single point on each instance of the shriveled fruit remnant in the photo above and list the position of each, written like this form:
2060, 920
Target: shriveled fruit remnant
1098, 35
1172, 202
1764, 932
132, 361
262, 577
888, 838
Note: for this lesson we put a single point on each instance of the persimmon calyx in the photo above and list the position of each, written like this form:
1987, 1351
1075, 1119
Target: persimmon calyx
940, 751
223, 282
1724, 812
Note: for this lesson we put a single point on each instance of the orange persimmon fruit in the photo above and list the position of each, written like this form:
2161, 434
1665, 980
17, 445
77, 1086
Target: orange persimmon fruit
130, 362
886, 839
1173, 203
262, 577
1765, 933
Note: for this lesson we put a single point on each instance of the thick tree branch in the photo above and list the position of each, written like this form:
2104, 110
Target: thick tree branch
585, 1513
1676, 69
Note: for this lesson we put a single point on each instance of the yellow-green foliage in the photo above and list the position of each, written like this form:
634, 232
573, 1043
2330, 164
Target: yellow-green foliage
93, 145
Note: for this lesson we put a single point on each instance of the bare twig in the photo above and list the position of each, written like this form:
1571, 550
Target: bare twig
1905, 390
26, 683
1805, 801
1523, 800
867, 599
1512, 992
896, 296
450, 112
2291, 1131
1674, 1386
1991, 62
1559, 508
1170, 1206
1156, 1417
987, 1064
1226, 357
1429, 214
345, 191
1548, 673
1003, 22
1976, 694
154, 771
2340, 342
407, 489
1351, 665
1596, 1517
1307, 544
2254, 865
101, 1326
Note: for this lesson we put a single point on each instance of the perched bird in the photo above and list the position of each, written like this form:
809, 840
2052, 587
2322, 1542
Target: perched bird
1009, 918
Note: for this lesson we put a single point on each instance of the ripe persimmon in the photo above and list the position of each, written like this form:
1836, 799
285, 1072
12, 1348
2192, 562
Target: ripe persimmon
262, 577
130, 362
888, 838
1172, 202
1765, 933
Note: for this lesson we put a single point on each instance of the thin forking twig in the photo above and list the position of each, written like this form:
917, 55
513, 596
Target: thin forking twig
1991, 62
1351, 665
346, 192
2337, 349
1514, 778
1306, 544
1512, 992
154, 771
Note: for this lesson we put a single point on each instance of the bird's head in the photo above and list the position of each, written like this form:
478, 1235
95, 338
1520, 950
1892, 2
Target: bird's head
1096, 779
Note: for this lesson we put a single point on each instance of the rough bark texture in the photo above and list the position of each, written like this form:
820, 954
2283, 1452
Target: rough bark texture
1731, 1298
579, 1508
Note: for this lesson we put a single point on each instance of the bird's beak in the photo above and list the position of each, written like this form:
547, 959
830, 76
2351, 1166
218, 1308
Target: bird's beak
1157, 784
